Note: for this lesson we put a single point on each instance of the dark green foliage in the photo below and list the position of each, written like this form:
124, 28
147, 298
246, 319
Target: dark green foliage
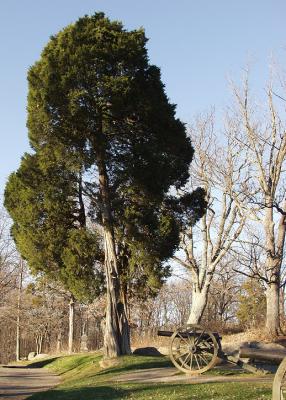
81, 253
95, 73
94, 94
44, 205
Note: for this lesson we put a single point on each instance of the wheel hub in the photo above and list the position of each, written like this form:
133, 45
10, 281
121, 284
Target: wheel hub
192, 349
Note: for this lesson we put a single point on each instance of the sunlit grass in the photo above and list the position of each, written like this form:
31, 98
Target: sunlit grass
83, 379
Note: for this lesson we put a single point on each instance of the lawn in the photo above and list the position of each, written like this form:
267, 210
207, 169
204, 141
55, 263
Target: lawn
83, 379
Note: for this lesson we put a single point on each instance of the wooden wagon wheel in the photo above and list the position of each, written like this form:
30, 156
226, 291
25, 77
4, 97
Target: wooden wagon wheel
279, 383
193, 349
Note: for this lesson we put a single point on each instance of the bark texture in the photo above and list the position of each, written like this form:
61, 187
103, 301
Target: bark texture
71, 325
116, 337
18, 333
199, 301
272, 309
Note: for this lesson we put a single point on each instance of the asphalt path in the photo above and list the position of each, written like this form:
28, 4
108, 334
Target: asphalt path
18, 383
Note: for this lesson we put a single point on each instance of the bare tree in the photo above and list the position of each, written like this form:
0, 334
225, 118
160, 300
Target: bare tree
8, 256
223, 297
219, 169
262, 137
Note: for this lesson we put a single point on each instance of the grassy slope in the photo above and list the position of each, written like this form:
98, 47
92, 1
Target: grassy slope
82, 379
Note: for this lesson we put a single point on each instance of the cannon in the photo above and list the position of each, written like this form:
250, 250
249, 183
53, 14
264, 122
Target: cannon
194, 350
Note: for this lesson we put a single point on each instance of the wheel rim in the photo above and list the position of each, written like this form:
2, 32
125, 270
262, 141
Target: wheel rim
193, 349
279, 382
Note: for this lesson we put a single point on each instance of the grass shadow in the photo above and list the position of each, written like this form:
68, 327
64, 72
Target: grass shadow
146, 363
99, 393
41, 363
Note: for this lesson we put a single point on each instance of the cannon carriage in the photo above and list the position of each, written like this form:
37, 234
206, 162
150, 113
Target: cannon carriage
193, 349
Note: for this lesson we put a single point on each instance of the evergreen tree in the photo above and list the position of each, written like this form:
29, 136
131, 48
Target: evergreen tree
252, 304
97, 109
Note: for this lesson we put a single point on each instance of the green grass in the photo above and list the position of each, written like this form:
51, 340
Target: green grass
83, 379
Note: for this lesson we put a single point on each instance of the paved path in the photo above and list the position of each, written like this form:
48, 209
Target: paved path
170, 375
17, 383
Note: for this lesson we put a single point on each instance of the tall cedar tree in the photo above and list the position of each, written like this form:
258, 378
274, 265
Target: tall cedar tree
94, 98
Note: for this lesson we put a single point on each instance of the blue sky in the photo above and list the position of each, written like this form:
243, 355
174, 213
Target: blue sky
197, 44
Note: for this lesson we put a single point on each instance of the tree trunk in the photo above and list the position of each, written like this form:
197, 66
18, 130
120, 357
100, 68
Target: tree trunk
37, 344
272, 309
199, 302
124, 325
116, 337
71, 325
59, 342
282, 305
40, 344
18, 333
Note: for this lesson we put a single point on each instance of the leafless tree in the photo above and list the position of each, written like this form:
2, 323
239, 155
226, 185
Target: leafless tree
223, 297
219, 168
8, 256
262, 136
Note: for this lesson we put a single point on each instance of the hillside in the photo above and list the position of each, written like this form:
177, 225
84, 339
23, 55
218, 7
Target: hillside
84, 379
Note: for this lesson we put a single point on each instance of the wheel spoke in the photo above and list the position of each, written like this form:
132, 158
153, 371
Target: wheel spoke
199, 367
184, 363
191, 363
204, 359
181, 337
191, 338
208, 344
182, 355
193, 349
206, 351
198, 338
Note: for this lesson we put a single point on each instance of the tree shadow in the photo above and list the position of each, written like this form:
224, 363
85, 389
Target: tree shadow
37, 364
42, 363
162, 362
98, 393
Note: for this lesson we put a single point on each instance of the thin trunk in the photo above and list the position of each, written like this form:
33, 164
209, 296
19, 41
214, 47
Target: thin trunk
38, 347
18, 333
281, 304
59, 342
71, 325
272, 309
124, 325
40, 344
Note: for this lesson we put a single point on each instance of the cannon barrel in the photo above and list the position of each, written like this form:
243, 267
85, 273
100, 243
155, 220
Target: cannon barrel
275, 356
165, 333
185, 335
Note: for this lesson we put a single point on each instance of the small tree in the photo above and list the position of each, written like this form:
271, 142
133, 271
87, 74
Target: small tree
251, 304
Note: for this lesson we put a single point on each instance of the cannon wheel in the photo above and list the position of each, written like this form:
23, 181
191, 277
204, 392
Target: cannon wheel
279, 383
193, 349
